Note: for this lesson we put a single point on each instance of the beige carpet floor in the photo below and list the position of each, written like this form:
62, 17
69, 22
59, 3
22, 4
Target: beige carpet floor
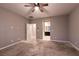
42, 48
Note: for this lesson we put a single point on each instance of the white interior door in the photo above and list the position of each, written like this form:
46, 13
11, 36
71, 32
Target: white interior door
31, 32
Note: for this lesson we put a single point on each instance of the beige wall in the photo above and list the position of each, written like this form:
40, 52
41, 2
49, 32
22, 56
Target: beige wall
12, 27
74, 27
59, 28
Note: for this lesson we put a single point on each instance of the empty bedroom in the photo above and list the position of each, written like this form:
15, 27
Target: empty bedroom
39, 29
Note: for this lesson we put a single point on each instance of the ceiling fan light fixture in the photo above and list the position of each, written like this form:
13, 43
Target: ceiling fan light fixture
36, 8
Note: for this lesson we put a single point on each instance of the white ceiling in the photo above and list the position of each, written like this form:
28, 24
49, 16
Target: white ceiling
53, 9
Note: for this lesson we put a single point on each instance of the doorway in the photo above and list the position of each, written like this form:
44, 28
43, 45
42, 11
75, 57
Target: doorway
46, 30
31, 32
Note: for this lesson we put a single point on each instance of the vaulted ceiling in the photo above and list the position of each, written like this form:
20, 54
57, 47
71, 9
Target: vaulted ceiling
53, 9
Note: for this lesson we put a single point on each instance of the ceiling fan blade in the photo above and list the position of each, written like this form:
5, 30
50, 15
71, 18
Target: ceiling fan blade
29, 5
41, 9
33, 9
43, 4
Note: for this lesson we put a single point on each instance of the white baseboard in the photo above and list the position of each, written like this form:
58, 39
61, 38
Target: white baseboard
10, 45
60, 41
74, 46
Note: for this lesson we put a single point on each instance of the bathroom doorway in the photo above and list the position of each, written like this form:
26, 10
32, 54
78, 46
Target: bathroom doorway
46, 30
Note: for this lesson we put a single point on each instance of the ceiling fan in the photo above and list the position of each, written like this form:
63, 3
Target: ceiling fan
36, 5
